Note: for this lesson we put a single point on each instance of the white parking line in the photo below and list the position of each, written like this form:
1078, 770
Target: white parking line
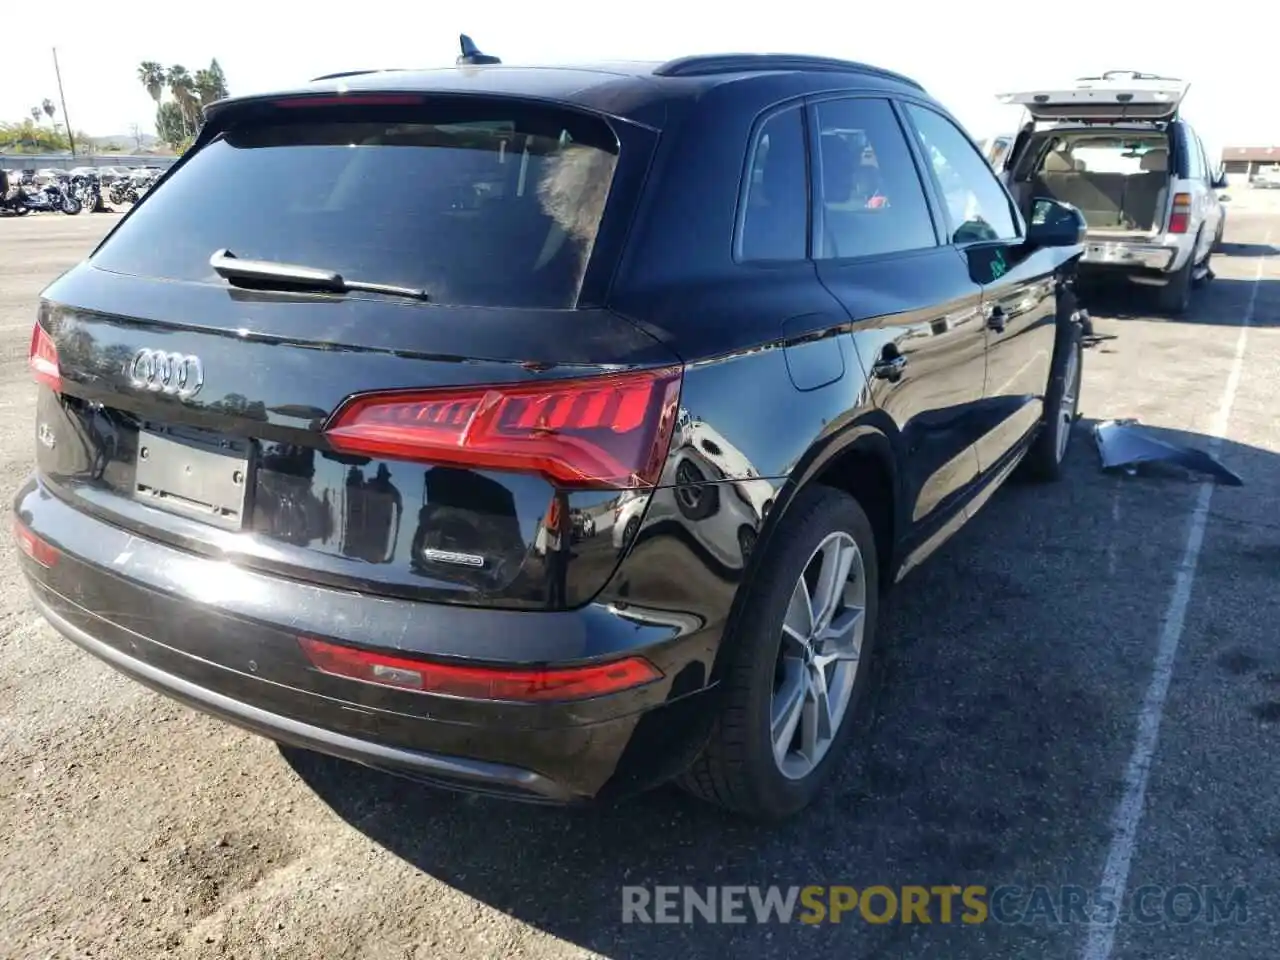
1128, 815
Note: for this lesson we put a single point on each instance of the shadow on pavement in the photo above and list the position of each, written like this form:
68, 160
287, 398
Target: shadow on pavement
1013, 664
1222, 302
1247, 250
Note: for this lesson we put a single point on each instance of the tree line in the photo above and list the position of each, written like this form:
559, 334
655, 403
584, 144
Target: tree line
179, 117
32, 136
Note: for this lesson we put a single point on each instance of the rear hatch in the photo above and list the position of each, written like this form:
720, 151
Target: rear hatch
1103, 145
361, 341
1117, 96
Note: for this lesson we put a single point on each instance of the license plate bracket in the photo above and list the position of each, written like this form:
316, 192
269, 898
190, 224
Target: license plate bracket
201, 477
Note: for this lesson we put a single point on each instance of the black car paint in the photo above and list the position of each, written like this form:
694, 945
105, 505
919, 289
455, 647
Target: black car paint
779, 363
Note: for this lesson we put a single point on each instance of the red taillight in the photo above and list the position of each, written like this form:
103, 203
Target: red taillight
1180, 215
479, 683
35, 548
354, 100
43, 359
608, 431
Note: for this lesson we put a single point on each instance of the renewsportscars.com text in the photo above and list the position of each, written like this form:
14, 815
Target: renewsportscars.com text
949, 903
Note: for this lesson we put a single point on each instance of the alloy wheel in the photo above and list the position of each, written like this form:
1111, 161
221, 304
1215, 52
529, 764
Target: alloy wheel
819, 656
1070, 400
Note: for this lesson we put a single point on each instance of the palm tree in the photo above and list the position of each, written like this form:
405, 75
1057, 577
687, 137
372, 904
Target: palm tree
206, 86
48, 108
152, 76
35, 114
182, 87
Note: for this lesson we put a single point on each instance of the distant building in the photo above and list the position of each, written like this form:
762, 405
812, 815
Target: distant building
1248, 160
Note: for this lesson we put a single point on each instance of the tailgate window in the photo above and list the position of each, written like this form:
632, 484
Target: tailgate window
486, 205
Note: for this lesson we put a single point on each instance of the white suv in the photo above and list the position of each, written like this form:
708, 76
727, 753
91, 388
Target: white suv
1116, 148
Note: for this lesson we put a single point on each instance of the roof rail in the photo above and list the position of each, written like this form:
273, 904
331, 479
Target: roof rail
705, 64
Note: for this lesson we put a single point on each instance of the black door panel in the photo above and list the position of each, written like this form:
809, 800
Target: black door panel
1017, 287
917, 330
915, 311
1019, 309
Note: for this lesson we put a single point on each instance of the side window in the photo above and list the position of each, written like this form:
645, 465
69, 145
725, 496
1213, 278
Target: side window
775, 222
1195, 160
872, 199
978, 205
1205, 169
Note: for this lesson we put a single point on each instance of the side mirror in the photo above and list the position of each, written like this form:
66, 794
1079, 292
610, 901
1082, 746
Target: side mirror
1220, 181
1055, 224
1224, 197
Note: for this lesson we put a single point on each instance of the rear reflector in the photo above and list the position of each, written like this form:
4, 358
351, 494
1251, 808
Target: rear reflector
35, 548
43, 359
479, 683
610, 431
1180, 216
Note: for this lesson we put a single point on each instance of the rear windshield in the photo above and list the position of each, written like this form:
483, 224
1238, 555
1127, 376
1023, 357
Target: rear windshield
1108, 154
487, 205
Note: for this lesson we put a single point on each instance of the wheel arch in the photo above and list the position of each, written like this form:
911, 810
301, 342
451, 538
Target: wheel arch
862, 460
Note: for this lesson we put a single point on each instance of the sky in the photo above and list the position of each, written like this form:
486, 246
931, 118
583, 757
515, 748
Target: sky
964, 55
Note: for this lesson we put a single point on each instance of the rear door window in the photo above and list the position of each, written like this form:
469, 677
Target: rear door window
479, 205
775, 221
872, 199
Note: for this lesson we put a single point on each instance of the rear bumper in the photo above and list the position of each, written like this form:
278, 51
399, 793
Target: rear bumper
223, 640
1102, 255
447, 771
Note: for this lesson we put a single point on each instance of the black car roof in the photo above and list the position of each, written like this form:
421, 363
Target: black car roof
634, 90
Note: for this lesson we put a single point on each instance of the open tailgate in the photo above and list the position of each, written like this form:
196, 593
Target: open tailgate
1115, 96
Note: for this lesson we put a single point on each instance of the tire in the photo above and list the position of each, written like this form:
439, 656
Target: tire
1044, 461
695, 497
1217, 241
1174, 298
71, 206
737, 769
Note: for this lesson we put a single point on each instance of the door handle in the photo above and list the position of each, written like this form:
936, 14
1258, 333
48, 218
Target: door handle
996, 319
890, 365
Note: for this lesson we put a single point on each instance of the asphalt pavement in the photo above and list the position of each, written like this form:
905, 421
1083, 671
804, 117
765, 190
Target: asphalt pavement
1083, 687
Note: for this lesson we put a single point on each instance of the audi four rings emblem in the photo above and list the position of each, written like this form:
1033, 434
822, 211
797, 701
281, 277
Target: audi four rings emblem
177, 374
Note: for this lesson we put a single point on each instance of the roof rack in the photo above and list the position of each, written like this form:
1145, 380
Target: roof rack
707, 64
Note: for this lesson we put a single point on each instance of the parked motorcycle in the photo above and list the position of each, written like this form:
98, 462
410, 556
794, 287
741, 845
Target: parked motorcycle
122, 191
51, 197
88, 190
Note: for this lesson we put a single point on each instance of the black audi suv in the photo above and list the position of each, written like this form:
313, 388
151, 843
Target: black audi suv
546, 432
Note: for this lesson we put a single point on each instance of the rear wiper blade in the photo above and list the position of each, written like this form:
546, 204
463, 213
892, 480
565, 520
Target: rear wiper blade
230, 267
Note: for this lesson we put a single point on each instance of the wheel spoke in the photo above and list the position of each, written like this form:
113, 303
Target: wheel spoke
815, 728
843, 637
788, 707
799, 619
833, 573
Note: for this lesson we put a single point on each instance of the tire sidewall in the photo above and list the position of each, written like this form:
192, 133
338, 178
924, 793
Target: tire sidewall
759, 636
1179, 287
1069, 344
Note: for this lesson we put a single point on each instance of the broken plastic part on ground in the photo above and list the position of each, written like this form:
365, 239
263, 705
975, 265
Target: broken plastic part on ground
1125, 445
